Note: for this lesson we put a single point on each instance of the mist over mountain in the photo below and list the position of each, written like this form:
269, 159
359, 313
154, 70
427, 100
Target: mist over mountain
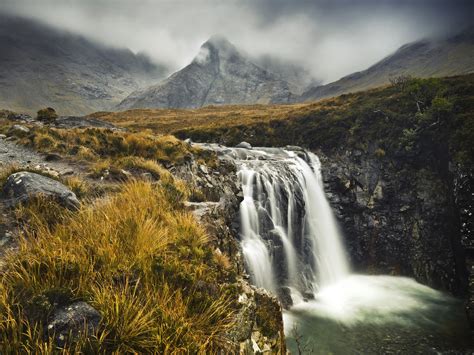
298, 77
219, 74
41, 66
435, 57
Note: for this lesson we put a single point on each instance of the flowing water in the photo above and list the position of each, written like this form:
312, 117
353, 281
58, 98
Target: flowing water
290, 241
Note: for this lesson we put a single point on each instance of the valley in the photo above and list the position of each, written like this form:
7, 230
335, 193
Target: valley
207, 192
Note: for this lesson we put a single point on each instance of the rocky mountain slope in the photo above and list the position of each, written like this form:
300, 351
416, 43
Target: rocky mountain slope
41, 66
218, 75
425, 58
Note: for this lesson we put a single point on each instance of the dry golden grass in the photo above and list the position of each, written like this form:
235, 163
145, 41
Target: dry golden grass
168, 121
95, 144
135, 256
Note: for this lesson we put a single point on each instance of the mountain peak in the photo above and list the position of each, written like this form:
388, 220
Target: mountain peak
216, 47
219, 42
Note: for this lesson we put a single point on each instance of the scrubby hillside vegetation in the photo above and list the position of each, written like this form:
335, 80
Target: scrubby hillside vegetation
131, 270
407, 116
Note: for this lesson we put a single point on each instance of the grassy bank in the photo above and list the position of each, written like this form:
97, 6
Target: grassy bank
137, 257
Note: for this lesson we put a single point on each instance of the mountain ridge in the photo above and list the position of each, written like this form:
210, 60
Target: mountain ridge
218, 74
424, 58
42, 66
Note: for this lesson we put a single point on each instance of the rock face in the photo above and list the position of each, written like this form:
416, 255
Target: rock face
398, 220
72, 320
218, 75
464, 200
22, 186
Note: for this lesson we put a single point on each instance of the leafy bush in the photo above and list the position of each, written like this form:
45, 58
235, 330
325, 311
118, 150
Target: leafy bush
47, 114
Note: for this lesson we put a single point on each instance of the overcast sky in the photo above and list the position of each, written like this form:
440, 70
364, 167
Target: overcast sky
331, 38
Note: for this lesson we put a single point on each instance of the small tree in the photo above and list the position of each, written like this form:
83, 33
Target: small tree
47, 114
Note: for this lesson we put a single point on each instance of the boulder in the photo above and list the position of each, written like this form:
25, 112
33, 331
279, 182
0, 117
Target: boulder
18, 130
244, 145
22, 186
72, 320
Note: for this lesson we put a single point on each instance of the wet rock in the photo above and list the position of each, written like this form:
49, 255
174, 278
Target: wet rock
244, 145
397, 218
72, 320
284, 294
23, 186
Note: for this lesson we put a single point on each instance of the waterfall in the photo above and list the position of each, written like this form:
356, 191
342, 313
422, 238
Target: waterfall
289, 236
290, 242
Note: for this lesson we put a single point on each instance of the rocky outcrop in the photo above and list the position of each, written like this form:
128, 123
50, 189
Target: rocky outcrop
396, 220
215, 200
23, 186
463, 198
18, 131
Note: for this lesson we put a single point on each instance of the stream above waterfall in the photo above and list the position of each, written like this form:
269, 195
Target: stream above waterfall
293, 248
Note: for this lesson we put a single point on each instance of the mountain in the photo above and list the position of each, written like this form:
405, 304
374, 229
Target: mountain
298, 77
426, 58
41, 66
218, 75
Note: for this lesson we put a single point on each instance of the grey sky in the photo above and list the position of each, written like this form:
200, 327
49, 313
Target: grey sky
331, 38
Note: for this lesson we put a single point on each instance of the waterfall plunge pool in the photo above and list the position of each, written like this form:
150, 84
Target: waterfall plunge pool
377, 315
290, 239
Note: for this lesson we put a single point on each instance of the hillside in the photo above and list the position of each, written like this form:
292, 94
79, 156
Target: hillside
41, 66
425, 58
378, 115
218, 75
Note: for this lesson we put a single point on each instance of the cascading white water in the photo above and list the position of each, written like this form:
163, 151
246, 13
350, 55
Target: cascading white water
284, 208
289, 237
329, 252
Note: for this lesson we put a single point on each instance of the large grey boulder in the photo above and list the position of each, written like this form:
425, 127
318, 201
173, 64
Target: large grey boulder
72, 320
22, 186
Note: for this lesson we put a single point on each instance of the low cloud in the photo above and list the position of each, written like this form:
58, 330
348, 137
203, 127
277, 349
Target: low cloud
329, 38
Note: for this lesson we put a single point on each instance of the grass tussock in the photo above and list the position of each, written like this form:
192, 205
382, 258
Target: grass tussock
138, 258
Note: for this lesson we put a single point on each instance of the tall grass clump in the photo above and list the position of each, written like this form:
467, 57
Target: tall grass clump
137, 257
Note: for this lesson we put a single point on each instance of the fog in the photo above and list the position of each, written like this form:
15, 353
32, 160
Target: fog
329, 38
